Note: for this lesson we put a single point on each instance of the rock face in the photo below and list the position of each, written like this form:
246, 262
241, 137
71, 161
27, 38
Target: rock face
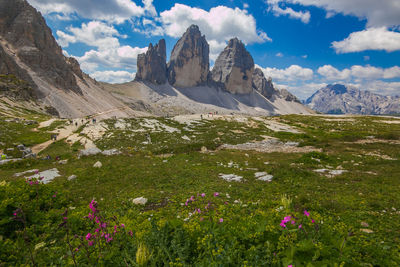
262, 85
22, 27
233, 69
341, 99
189, 61
152, 66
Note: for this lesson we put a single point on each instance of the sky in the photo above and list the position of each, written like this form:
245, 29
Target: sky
303, 45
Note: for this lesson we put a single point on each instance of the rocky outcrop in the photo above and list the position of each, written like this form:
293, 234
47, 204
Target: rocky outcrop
189, 61
22, 27
286, 95
152, 66
233, 69
341, 99
263, 85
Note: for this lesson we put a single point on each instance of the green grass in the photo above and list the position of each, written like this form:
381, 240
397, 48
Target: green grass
367, 193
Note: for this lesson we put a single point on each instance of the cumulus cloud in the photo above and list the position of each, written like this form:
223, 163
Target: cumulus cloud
377, 13
369, 39
116, 11
274, 7
292, 73
357, 72
113, 76
219, 24
108, 53
279, 54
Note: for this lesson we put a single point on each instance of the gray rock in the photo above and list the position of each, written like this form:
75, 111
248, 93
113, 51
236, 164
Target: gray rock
189, 61
98, 164
140, 201
21, 147
341, 99
89, 151
63, 162
285, 94
72, 177
263, 85
111, 152
5, 161
24, 27
233, 69
152, 66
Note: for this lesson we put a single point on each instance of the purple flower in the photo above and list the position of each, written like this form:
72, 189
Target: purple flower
122, 225
312, 220
282, 224
221, 220
216, 194
203, 194
300, 226
90, 243
88, 236
306, 213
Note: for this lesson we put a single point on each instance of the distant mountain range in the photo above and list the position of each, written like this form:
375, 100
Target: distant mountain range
30, 58
341, 99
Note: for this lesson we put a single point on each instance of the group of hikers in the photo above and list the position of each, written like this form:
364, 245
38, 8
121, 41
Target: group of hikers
209, 114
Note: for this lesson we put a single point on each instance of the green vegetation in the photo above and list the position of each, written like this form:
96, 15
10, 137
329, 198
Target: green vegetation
300, 218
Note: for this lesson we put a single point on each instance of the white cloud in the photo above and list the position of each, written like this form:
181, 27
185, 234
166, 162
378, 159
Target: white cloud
108, 53
274, 7
292, 73
219, 24
304, 56
116, 11
94, 33
279, 54
369, 39
113, 76
377, 13
359, 73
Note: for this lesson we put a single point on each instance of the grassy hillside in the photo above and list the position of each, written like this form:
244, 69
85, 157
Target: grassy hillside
338, 205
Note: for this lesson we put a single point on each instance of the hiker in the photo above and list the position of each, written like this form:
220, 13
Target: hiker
76, 124
201, 116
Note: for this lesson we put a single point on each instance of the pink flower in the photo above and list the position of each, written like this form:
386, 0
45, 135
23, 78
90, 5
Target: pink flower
130, 233
290, 265
293, 222
203, 194
286, 219
282, 224
90, 243
221, 220
97, 230
88, 236
93, 205
216, 194
312, 220
15, 214
300, 226
122, 225
199, 211
306, 213
192, 198
103, 225
77, 249
65, 218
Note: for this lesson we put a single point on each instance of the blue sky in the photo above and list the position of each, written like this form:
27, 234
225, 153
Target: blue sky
302, 44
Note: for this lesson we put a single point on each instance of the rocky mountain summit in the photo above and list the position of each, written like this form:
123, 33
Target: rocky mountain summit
234, 70
152, 65
341, 99
189, 61
234, 67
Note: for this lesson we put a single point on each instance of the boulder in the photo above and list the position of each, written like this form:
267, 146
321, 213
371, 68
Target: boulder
72, 177
233, 69
139, 201
152, 66
189, 61
98, 164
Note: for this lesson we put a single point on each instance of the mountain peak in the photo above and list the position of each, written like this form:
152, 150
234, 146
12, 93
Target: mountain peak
337, 88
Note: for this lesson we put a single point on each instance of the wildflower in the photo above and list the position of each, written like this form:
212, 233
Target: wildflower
306, 213
93, 205
201, 219
312, 220
290, 265
97, 230
216, 194
203, 194
88, 236
130, 233
192, 198
122, 225
77, 249
282, 224
300, 226
293, 222
90, 243
103, 225
221, 220
65, 218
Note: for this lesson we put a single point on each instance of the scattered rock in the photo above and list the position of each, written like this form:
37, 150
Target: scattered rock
18, 174
72, 177
63, 162
47, 175
368, 231
5, 161
364, 224
231, 177
98, 165
139, 201
185, 138
263, 176
330, 173
203, 149
89, 151
111, 152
